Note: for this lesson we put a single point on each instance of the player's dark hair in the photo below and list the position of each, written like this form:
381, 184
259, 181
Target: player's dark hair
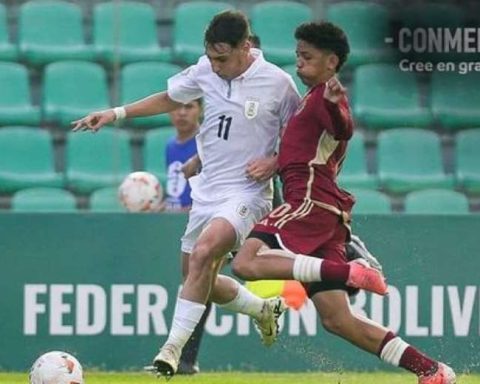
325, 36
255, 40
230, 27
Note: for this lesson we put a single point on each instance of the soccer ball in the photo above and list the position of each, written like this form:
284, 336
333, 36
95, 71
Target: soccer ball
140, 192
56, 367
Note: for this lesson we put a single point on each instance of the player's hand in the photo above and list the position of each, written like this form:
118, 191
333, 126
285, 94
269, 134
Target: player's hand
191, 166
262, 169
334, 90
94, 121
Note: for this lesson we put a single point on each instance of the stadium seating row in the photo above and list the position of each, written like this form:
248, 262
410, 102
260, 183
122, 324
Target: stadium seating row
408, 159
126, 31
411, 159
382, 95
91, 161
428, 201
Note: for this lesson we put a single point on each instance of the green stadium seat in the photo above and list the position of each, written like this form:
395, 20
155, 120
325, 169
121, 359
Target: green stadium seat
190, 22
44, 200
8, 51
467, 160
385, 97
50, 31
354, 170
26, 159
15, 100
126, 32
98, 160
292, 71
106, 200
410, 159
369, 201
436, 201
139, 80
73, 89
366, 25
154, 156
275, 23
455, 99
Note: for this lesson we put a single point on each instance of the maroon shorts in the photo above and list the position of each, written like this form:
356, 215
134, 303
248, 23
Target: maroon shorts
309, 230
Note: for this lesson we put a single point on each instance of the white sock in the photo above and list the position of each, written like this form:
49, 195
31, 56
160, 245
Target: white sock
245, 302
186, 317
307, 269
392, 351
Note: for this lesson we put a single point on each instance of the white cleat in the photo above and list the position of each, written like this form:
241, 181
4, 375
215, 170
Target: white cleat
358, 252
166, 362
267, 326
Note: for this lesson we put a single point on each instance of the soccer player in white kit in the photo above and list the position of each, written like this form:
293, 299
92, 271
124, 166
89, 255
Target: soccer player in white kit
247, 102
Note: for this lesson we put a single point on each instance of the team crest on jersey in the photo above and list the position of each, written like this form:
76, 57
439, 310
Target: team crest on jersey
251, 109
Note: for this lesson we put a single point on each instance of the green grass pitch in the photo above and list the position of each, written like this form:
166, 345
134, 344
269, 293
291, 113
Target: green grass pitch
247, 378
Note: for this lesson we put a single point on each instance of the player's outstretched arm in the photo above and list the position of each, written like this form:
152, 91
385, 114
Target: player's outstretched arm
151, 105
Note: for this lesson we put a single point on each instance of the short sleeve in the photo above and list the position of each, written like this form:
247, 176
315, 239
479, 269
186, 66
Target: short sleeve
183, 87
289, 102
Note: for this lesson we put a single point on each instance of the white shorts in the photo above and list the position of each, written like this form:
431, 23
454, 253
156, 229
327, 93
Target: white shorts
242, 212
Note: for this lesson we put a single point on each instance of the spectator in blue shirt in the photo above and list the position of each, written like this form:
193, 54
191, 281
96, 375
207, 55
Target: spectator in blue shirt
179, 150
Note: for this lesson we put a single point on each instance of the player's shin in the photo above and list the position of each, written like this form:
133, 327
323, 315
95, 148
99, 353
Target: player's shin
186, 317
244, 302
397, 352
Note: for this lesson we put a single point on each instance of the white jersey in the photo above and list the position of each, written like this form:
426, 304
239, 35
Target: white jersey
242, 122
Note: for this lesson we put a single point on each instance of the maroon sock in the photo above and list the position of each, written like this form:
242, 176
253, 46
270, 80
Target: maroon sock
418, 363
332, 271
389, 336
412, 360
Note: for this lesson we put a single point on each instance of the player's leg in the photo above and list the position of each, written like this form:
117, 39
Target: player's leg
214, 241
188, 364
189, 358
243, 212
256, 261
337, 317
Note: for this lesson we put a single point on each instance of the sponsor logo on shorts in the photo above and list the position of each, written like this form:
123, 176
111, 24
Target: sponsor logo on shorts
242, 210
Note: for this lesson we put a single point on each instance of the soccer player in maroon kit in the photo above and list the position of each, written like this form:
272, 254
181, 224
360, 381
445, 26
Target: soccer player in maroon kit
304, 238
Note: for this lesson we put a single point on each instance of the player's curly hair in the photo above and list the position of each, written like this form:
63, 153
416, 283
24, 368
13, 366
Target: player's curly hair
229, 27
327, 36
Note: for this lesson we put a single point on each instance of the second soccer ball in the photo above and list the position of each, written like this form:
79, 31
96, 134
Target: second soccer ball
140, 192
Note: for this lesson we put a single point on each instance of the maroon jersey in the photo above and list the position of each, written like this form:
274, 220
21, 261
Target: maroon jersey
312, 150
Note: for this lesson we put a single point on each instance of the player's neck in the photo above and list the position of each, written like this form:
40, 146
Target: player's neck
247, 63
183, 137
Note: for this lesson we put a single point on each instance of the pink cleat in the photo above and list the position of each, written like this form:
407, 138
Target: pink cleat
365, 277
443, 375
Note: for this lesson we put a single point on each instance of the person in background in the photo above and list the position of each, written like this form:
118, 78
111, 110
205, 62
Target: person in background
180, 149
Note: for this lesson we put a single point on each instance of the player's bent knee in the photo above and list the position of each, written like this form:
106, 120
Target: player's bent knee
201, 257
242, 270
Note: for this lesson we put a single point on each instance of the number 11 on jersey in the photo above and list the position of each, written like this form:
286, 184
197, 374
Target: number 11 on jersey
224, 127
